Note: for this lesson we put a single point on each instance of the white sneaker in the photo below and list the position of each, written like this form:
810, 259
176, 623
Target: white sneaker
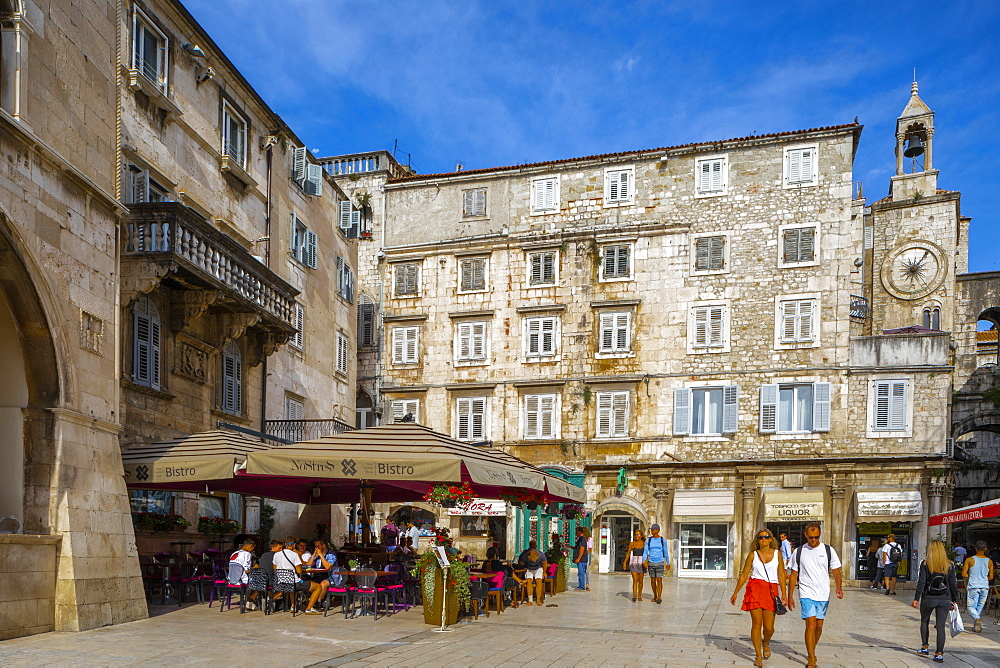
251, 606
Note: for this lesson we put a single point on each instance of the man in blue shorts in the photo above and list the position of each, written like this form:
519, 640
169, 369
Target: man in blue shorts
812, 564
656, 559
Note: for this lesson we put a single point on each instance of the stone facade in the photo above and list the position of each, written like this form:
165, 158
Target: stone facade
768, 240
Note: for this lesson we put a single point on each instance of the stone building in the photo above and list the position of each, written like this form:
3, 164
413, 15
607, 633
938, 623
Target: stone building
727, 326
238, 287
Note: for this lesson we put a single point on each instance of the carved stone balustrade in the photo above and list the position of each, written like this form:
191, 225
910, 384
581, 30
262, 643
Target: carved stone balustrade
166, 245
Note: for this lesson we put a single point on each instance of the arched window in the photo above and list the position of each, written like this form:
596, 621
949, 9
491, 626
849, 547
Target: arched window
366, 321
932, 317
232, 380
146, 343
363, 410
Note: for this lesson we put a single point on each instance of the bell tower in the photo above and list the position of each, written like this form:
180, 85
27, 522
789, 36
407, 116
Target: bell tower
915, 173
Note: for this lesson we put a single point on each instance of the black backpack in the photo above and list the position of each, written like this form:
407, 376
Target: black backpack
937, 583
895, 554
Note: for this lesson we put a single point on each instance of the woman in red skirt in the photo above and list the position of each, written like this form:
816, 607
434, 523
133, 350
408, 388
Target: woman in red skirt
766, 573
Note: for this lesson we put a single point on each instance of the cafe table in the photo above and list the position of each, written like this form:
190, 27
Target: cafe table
165, 585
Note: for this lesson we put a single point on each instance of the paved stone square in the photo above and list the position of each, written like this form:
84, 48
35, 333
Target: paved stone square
695, 626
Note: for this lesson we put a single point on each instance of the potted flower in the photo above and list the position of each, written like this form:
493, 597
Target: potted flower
529, 498
449, 496
573, 511
217, 526
159, 522
430, 574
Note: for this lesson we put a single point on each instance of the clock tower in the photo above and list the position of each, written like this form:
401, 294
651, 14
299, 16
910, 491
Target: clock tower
915, 240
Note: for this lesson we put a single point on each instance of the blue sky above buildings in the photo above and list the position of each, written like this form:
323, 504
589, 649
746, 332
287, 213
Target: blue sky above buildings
497, 82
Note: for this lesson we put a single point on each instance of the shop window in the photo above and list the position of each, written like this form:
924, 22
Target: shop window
212, 505
704, 547
151, 501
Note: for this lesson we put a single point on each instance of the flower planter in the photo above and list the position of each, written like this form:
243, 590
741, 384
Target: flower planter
432, 612
448, 503
532, 506
561, 577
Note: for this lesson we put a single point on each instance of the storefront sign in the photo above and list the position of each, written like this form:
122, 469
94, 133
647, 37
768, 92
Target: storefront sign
979, 511
889, 504
793, 506
487, 507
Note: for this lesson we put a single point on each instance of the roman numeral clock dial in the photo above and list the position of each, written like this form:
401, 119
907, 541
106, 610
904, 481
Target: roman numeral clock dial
914, 270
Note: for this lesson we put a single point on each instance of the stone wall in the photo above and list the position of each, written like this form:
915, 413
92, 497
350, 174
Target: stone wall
27, 584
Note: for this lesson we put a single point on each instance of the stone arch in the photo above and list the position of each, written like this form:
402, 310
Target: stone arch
626, 503
32, 353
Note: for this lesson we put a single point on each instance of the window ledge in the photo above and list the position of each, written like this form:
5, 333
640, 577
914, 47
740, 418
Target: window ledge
706, 438
230, 417
468, 363
804, 436
145, 389
796, 345
713, 193
227, 164
708, 351
473, 292
612, 356
136, 80
800, 184
535, 359
617, 279
709, 272
795, 265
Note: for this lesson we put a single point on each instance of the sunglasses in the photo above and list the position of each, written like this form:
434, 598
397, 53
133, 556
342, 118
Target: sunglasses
764, 535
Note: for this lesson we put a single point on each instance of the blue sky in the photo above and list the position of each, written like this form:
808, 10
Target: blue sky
498, 82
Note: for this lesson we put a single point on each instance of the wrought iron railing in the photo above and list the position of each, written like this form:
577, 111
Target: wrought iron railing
859, 306
170, 229
305, 430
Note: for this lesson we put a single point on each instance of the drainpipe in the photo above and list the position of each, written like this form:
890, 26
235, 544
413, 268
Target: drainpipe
269, 147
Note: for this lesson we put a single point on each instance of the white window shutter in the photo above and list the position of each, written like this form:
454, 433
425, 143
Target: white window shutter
704, 176
897, 405
464, 341
299, 164
789, 315
463, 408
531, 415
716, 180
411, 345
546, 417
399, 345
310, 250
314, 179
477, 423
620, 409
701, 338
794, 166
611, 184
299, 337
805, 332
604, 407
468, 202
730, 409
622, 331
682, 411
625, 186
821, 406
716, 326
807, 245
808, 164
355, 229
479, 340
702, 248
344, 215
882, 407
768, 409
607, 332
534, 336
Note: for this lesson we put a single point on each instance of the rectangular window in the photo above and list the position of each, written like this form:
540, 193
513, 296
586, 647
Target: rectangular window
890, 405
345, 280
798, 245
149, 50
471, 418
405, 410
704, 548
146, 344
404, 345
234, 135
795, 408
612, 414
711, 176
800, 166
545, 194
616, 261
348, 219
232, 381
406, 279
342, 352
710, 253
474, 202
294, 409
616, 332
151, 501
542, 268
706, 411
298, 339
709, 327
797, 321
212, 506
539, 416
304, 243
471, 341
541, 336
472, 274
618, 185
366, 321
141, 188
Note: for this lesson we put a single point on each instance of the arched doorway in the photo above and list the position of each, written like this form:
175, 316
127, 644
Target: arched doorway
615, 519
364, 406
13, 401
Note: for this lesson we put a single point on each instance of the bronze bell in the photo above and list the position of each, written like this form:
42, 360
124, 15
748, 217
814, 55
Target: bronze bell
913, 147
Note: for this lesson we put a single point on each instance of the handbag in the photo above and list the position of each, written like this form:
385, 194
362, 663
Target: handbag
955, 621
779, 607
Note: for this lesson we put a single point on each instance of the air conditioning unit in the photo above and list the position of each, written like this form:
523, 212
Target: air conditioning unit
949, 448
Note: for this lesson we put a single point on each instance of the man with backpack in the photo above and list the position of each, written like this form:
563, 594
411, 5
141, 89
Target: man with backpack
890, 556
656, 559
812, 565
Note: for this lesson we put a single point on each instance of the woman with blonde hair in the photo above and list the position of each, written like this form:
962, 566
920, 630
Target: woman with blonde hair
633, 563
874, 567
534, 563
937, 592
766, 573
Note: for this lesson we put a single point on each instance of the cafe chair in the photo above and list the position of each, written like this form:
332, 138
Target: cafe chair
150, 576
234, 584
257, 580
395, 587
283, 582
478, 591
550, 580
343, 590
495, 592
367, 592
186, 581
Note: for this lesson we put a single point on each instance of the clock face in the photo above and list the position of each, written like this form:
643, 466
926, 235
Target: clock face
913, 271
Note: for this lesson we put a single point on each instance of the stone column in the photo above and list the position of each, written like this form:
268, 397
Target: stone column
664, 517
899, 153
835, 535
746, 524
929, 151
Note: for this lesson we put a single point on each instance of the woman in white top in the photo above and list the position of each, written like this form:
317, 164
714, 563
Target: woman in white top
766, 574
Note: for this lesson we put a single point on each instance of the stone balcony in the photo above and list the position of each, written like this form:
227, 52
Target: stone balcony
166, 245
296, 431
897, 351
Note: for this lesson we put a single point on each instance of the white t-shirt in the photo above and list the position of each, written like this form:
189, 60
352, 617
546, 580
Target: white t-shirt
286, 559
883, 558
245, 559
814, 571
414, 533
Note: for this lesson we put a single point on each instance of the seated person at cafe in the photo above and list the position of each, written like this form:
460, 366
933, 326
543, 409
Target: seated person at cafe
494, 565
265, 562
535, 563
244, 557
323, 558
288, 559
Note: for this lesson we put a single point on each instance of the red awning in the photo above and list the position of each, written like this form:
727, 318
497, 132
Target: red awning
979, 511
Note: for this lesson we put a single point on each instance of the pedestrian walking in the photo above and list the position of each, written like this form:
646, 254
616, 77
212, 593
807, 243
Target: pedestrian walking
581, 557
786, 552
978, 572
937, 592
590, 551
633, 564
890, 555
812, 564
765, 568
656, 559
874, 567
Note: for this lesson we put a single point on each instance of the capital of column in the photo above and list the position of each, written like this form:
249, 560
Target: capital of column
749, 492
837, 491
661, 493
